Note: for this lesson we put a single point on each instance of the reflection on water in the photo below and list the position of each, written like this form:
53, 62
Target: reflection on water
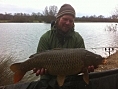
21, 39
97, 38
112, 27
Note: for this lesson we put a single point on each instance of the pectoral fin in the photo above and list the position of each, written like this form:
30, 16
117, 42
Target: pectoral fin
18, 73
86, 76
60, 80
18, 76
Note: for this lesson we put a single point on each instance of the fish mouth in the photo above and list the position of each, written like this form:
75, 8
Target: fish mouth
104, 61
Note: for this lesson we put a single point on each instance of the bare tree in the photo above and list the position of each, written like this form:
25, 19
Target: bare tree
115, 14
53, 10
49, 13
45, 12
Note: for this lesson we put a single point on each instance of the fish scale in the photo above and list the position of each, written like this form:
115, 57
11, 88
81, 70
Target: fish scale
64, 64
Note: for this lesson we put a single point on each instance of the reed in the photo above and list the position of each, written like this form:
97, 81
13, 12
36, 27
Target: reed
6, 75
5, 72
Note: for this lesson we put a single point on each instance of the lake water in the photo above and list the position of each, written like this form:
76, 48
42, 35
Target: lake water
21, 39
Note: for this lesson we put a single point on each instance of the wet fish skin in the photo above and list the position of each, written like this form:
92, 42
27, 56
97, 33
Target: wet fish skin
59, 62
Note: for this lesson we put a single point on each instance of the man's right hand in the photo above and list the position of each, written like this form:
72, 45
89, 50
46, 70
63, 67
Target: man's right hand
41, 71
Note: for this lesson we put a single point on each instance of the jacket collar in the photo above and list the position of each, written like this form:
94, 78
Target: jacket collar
61, 33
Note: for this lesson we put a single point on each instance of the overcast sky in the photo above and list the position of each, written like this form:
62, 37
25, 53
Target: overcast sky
82, 7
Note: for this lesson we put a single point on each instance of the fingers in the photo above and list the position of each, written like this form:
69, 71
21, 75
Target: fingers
41, 71
38, 72
90, 68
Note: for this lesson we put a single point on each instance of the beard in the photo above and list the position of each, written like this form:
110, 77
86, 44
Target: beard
65, 28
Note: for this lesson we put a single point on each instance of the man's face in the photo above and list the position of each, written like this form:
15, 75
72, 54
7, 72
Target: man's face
66, 23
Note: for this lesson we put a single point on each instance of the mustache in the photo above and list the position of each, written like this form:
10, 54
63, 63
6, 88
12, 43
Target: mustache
70, 26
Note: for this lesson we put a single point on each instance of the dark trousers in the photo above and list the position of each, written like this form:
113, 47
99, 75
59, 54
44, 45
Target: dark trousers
75, 82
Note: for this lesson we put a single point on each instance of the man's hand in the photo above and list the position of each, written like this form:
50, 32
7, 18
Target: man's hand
41, 71
91, 68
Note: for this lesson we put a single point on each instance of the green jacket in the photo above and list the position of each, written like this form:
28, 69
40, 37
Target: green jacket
54, 38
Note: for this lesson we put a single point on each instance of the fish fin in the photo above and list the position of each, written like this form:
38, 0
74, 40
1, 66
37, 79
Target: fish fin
18, 73
18, 76
60, 80
86, 76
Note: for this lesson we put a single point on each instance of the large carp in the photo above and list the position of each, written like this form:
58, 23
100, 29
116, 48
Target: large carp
59, 62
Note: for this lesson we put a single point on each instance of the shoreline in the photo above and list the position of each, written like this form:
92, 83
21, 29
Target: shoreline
112, 63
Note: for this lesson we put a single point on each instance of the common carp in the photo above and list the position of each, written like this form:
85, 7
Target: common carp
59, 62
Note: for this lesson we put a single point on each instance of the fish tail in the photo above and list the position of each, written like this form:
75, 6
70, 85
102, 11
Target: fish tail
18, 73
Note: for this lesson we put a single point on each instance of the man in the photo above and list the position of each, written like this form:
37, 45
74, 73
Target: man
61, 35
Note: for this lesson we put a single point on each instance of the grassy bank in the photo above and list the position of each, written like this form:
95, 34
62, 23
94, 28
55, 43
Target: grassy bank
4, 21
112, 63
